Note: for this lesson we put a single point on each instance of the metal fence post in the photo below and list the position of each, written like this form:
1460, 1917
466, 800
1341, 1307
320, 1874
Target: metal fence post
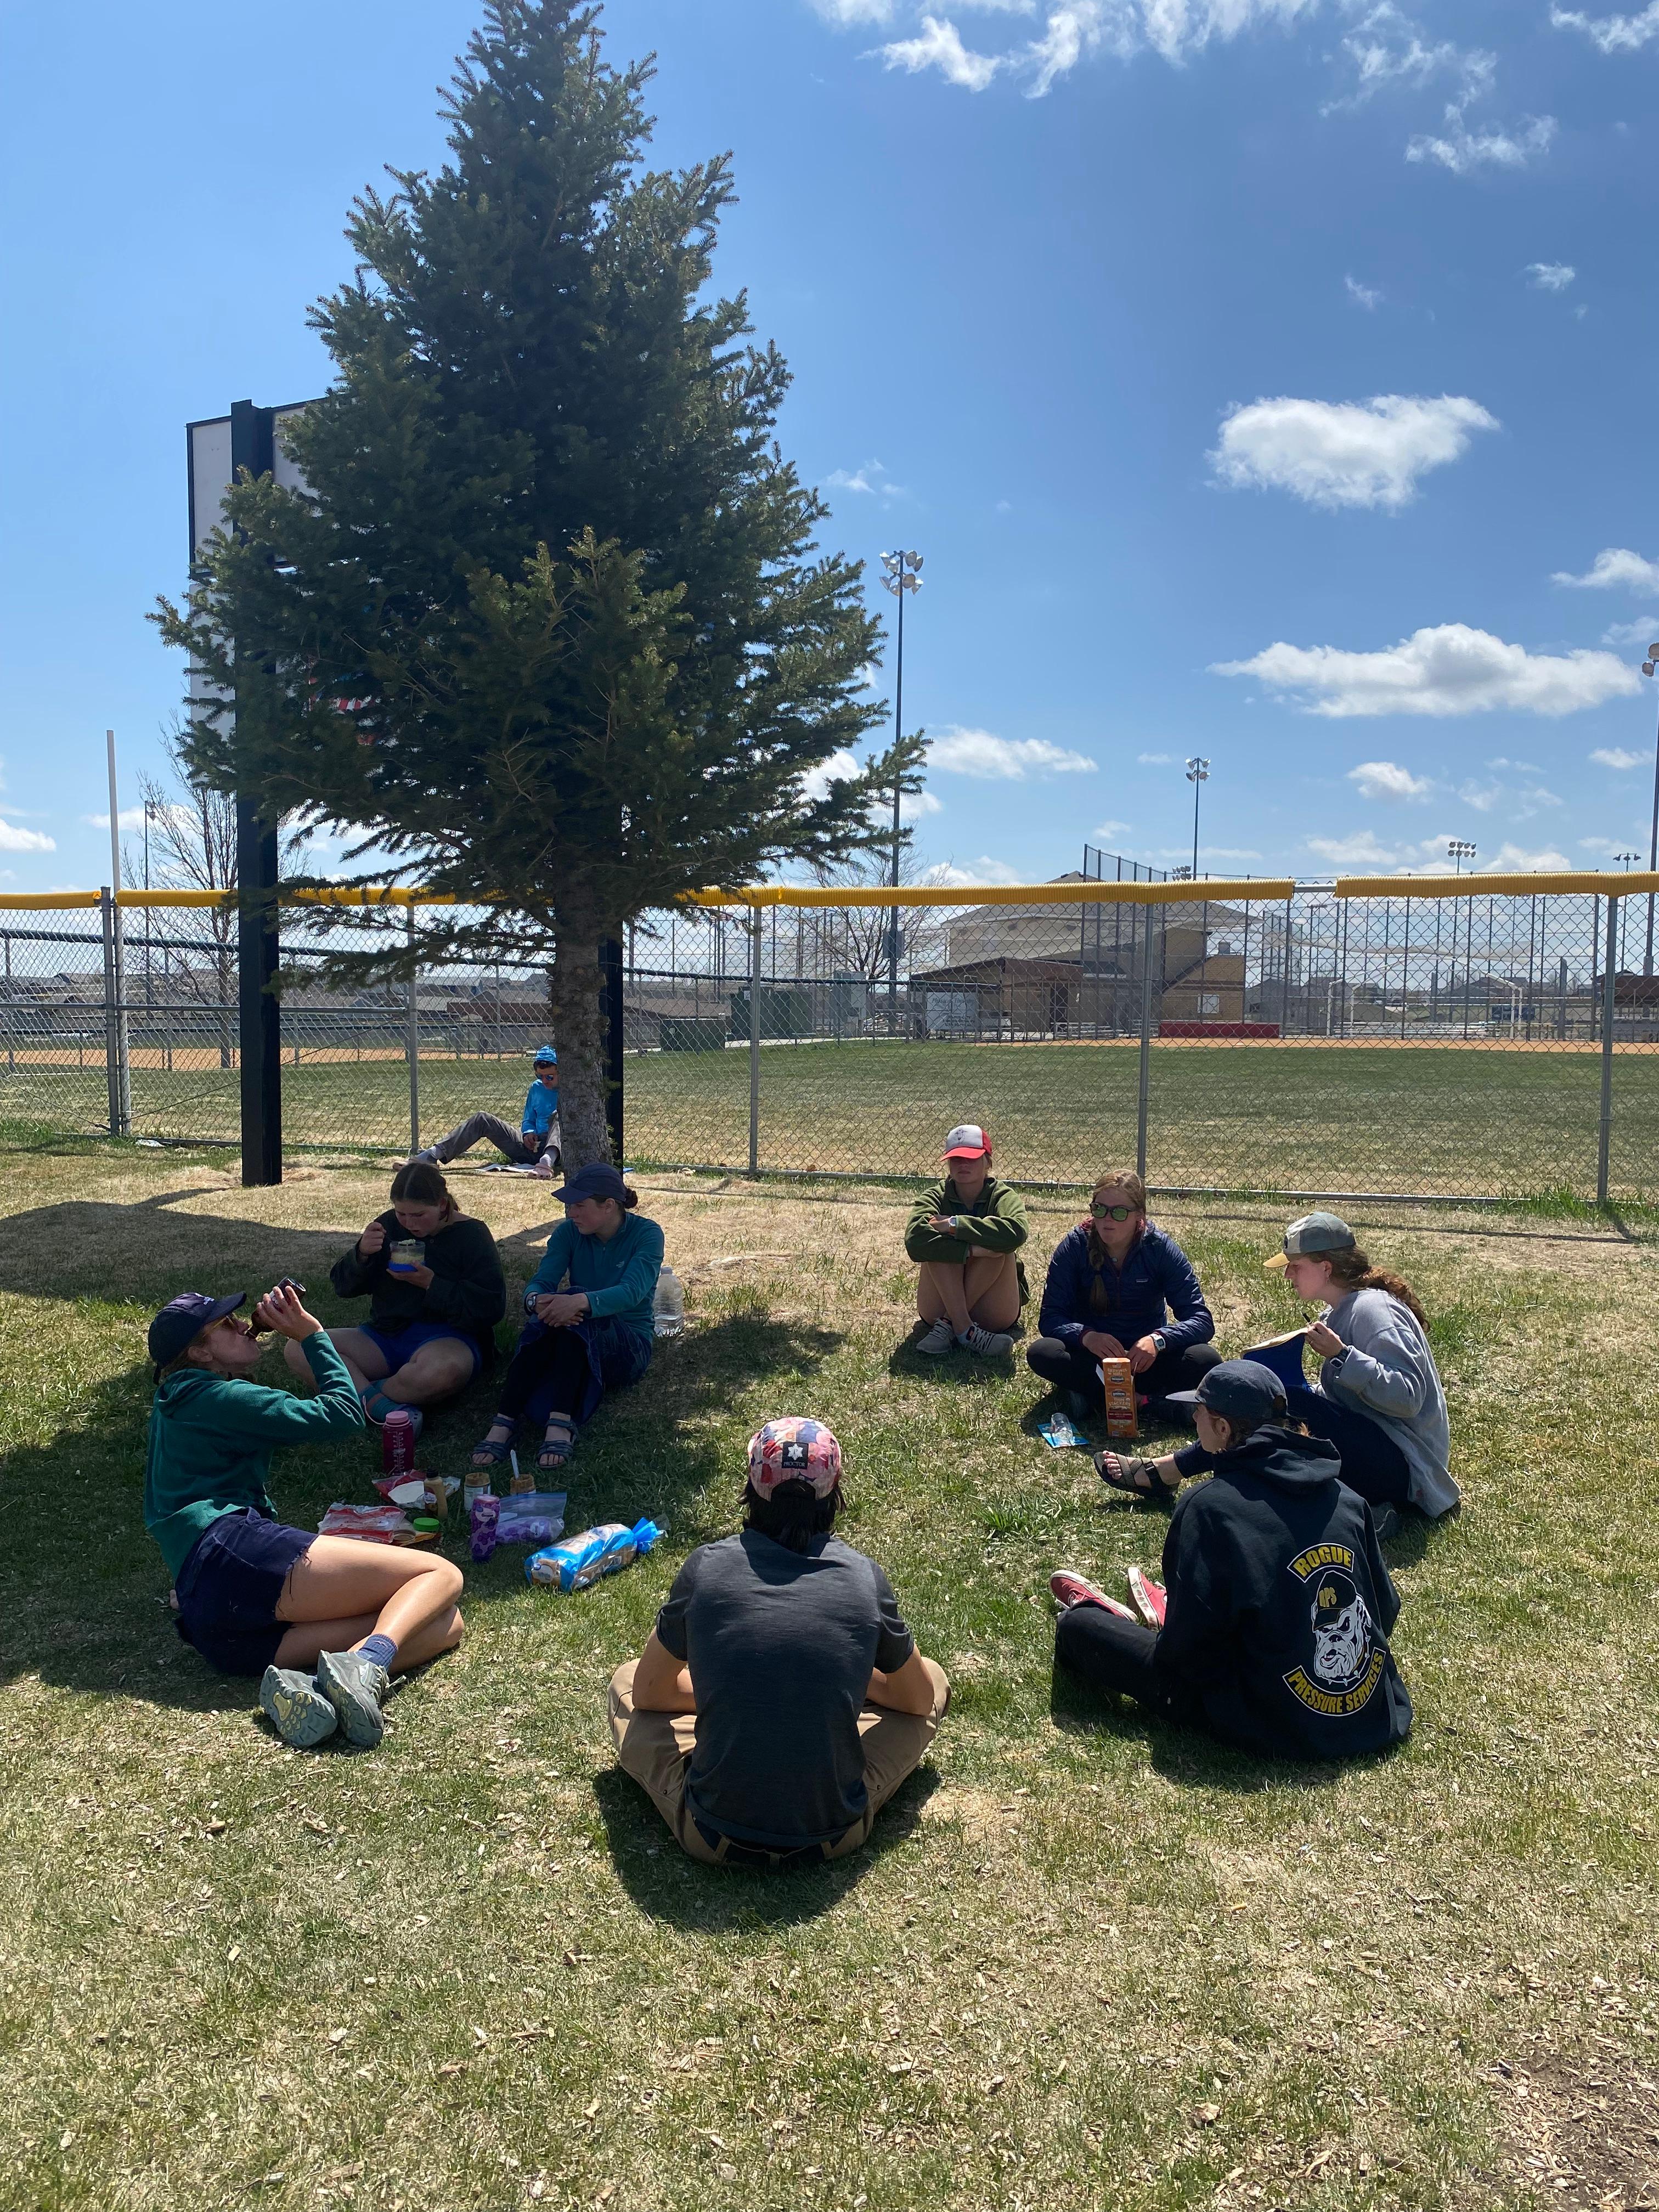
413, 1044
1609, 991
616, 1019
1145, 1040
754, 1038
115, 1040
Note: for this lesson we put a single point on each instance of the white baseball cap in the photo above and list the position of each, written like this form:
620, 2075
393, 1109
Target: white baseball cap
968, 1142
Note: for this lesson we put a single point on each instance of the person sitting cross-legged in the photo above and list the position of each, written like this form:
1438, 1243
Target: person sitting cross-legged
322, 1619
1271, 1628
1118, 1287
781, 1699
965, 1233
534, 1144
434, 1280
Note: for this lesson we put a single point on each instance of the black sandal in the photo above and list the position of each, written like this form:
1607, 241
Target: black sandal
1137, 1478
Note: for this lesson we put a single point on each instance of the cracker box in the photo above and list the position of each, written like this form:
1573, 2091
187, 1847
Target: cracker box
1121, 1410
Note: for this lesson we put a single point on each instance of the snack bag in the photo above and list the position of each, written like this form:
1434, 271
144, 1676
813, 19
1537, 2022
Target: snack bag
485, 1512
370, 1524
1123, 1412
1059, 1432
580, 1560
530, 1516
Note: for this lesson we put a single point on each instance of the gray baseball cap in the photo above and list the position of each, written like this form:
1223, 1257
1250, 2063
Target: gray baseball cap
1312, 1236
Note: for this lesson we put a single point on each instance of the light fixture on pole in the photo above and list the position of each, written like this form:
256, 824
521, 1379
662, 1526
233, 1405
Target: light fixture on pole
901, 573
1459, 850
1648, 666
1198, 772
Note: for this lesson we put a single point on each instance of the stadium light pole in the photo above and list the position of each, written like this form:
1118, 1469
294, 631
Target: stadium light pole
1459, 850
901, 573
1648, 666
1198, 772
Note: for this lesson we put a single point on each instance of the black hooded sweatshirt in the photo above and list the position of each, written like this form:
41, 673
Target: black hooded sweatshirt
1279, 1607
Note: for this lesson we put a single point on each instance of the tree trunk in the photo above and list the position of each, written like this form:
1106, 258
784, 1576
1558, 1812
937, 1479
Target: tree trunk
574, 988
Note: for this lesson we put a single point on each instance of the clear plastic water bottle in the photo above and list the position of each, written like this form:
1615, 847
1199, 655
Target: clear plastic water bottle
669, 1307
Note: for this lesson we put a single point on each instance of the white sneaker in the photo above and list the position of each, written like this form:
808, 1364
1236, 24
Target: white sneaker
989, 1343
937, 1340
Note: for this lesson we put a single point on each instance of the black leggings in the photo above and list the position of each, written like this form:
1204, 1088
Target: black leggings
1372, 1463
1069, 1367
554, 1362
1109, 1653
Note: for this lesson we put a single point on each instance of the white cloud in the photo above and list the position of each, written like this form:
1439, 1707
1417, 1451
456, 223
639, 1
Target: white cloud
1521, 768
939, 45
1387, 48
13, 839
1388, 779
870, 479
914, 806
1449, 670
1613, 34
993, 759
1359, 851
1619, 757
845, 13
1484, 798
1550, 275
130, 818
1207, 852
979, 874
1362, 295
1517, 859
1461, 149
1109, 829
1615, 569
1640, 633
1155, 760
1338, 453
840, 767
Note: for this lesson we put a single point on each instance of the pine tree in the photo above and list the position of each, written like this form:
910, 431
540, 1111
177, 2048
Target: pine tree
549, 625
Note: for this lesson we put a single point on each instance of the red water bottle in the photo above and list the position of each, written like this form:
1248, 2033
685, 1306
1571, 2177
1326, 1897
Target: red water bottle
398, 1443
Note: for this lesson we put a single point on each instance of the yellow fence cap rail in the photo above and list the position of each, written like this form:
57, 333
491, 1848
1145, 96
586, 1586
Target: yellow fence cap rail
1076, 892
1590, 881
48, 902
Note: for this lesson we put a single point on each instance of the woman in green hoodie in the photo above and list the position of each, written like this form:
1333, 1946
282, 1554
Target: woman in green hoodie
255, 1596
965, 1234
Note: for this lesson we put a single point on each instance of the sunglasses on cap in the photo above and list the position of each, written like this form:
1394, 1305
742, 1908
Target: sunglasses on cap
1112, 1212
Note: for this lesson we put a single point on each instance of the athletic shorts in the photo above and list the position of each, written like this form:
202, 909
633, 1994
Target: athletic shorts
229, 1586
400, 1345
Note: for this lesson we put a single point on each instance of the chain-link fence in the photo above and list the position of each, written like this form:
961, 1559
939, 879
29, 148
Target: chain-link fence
1413, 1039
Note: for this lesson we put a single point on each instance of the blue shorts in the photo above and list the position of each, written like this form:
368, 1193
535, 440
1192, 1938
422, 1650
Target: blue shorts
401, 1345
229, 1586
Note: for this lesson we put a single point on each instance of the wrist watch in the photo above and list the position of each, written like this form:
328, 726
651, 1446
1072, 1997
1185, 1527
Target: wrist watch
1160, 1342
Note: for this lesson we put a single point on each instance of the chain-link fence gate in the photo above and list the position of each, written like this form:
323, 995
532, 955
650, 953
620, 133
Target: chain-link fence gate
1482, 1038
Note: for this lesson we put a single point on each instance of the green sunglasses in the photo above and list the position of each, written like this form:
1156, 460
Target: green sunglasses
1112, 1212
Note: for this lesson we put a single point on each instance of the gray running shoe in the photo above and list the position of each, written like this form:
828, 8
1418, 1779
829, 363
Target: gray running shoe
937, 1340
989, 1343
354, 1686
296, 1708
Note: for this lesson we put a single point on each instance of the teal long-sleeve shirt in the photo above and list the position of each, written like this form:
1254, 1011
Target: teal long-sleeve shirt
211, 1441
619, 1277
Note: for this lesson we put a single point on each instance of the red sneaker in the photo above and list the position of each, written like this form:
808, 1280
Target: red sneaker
1068, 1589
1147, 1598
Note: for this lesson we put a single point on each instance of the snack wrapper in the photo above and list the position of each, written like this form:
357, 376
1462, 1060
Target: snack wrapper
371, 1524
580, 1560
1122, 1407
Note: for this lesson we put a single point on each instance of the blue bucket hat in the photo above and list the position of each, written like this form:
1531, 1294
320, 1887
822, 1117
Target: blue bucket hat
546, 1057
1239, 1390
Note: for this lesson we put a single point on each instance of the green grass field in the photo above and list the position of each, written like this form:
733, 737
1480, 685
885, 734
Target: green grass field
1430, 1120
1087, 1963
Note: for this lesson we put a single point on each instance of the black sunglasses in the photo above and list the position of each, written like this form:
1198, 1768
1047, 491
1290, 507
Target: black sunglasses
1112, 1212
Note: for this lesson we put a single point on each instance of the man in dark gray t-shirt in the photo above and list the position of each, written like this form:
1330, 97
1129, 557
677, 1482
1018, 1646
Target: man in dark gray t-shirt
781, 1699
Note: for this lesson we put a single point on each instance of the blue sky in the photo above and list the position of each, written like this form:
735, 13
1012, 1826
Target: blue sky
1249, 373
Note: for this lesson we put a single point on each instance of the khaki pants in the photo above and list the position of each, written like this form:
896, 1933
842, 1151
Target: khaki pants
655, 1748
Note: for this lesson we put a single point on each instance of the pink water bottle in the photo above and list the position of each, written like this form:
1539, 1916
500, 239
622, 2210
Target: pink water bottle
398, 1443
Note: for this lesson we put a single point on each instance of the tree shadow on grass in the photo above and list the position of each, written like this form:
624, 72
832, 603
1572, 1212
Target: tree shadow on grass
83, 1587
738, 1900
147, 1252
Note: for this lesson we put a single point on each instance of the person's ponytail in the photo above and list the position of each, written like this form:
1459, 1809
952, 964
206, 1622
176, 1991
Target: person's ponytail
1352, 1271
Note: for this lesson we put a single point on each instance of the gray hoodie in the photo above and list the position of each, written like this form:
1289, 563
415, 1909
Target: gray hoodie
1386, 1371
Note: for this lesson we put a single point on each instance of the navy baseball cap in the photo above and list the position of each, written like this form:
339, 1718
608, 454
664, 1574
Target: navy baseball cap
601, 1180
1238, 1390
547, 1057
182, 1320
